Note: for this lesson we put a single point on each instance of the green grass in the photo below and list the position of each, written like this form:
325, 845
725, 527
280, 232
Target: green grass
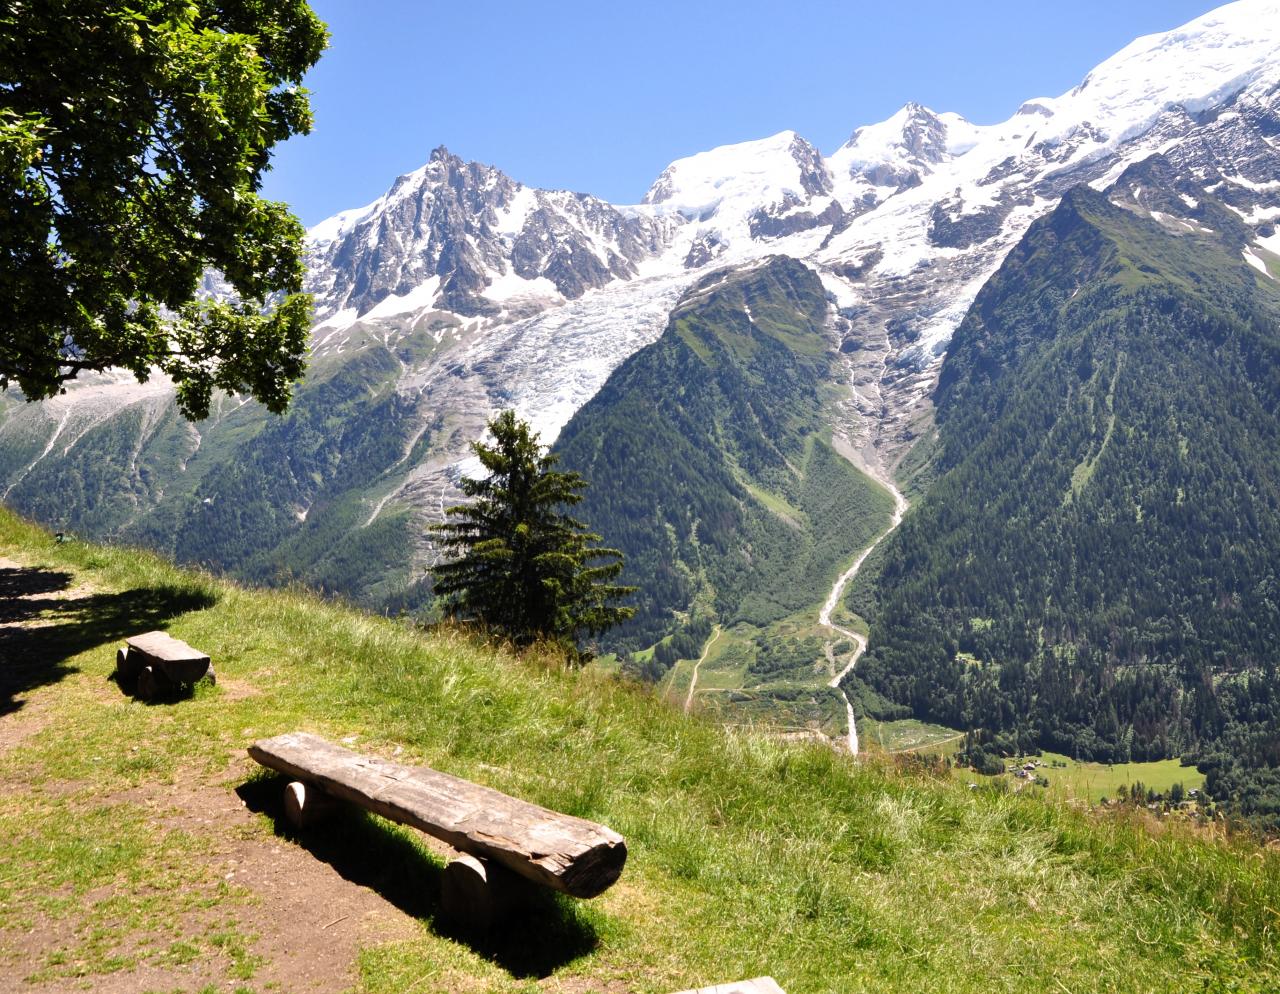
792, 515
910, 735
1070, 779
796, 701
747, 855
1094, 781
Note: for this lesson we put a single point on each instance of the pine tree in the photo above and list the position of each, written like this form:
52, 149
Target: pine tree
520, 566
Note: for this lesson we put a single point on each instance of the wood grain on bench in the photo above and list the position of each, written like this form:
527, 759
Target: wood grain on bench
559, 851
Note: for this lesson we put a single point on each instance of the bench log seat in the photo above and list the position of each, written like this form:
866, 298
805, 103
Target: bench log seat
568, 854
156, 663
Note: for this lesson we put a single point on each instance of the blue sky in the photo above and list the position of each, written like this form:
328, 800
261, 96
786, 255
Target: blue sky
599, 97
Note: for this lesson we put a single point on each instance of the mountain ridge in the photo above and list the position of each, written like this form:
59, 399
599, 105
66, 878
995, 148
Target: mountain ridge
1091, 569
477, 293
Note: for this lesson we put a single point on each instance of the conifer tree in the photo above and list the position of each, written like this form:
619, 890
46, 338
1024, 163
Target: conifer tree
520, 566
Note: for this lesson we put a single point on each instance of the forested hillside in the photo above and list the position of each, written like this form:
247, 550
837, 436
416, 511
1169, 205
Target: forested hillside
266, 500
1095, 568
710, 460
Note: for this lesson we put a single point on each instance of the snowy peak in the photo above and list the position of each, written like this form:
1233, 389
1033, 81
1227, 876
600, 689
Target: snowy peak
901, 151
1229, 53
1195, 66
766, 171
464, 237
736, 197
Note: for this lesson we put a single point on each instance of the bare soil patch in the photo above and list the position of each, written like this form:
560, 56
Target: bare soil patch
301, 921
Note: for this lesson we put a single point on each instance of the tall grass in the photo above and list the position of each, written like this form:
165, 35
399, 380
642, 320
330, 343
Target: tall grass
747, 855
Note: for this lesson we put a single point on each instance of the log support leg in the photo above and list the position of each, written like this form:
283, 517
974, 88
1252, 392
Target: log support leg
306, 805
153, 684
477, 893
128, 666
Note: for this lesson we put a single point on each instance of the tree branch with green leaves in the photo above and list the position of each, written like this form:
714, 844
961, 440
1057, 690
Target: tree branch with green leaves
133, 142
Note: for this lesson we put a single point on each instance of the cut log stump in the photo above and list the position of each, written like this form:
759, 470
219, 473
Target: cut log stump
153, 685
156, 665
306, 805
568, 854
128, 666
477, 893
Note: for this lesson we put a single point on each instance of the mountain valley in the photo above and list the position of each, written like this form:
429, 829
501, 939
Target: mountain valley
1053, 332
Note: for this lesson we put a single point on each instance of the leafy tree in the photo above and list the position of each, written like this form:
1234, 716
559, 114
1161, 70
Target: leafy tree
133, 140
521, 566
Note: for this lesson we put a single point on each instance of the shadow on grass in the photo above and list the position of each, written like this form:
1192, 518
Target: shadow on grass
40, 630
546, 934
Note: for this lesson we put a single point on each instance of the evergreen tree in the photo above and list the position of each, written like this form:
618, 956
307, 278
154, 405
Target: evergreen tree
520, 566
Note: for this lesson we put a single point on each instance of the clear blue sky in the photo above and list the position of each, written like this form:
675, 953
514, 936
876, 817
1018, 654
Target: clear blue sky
600, 96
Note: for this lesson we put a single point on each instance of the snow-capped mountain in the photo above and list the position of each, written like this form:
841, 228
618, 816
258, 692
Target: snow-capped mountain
468, 239
905, 221
480, 293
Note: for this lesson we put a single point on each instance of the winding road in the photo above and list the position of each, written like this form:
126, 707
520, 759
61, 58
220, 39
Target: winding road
693, 680
900, 505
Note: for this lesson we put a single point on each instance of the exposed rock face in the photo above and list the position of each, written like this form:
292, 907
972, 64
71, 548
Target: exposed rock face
461, 291
789, 218
468, 225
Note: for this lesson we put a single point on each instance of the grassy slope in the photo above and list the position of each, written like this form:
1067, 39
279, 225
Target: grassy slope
748, 856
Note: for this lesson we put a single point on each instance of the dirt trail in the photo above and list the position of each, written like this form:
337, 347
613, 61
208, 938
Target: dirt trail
302, 915
693, 680
900, 505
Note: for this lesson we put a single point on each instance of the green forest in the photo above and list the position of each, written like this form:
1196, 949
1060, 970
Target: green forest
710, 463
1094, 569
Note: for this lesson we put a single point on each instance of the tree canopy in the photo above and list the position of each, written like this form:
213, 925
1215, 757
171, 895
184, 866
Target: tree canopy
521, 566
133, 141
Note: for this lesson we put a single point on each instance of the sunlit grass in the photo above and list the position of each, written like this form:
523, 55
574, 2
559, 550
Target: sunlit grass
748, 856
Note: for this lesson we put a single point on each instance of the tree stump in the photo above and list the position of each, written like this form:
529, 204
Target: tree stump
306, 805
128, 666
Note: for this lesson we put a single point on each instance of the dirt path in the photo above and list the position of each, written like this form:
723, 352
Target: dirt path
299, 911
693, 680
900, 505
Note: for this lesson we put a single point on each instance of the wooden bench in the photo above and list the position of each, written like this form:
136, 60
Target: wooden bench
493, 832
156, 664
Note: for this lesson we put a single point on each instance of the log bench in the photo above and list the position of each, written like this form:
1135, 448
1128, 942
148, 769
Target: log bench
505, 844
156, 664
